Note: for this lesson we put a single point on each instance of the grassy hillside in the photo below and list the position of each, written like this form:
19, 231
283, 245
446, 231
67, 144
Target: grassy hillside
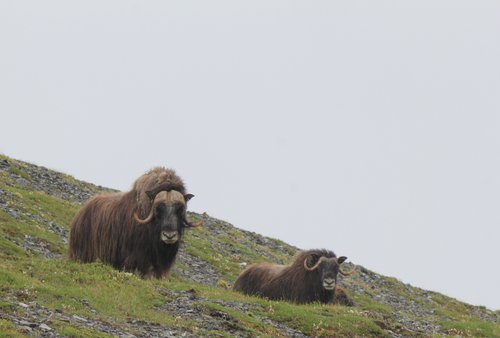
44, 294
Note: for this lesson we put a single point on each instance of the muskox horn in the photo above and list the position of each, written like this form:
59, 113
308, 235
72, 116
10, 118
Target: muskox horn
348, 273
197, 224
341, 260
315, 265
146, 220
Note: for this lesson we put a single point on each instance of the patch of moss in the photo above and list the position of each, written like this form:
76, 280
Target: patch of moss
19, 172
39, 203
7, 329
13, 232
76, 332
90, 188
243, 321
367, 303
214, 250
471, 328
324, 320
98, 291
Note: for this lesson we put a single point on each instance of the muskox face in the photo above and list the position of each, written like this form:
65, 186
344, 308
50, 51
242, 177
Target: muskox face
327, 269
168, 214
169, 217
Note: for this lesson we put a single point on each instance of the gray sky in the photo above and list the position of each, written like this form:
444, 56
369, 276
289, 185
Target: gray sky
367, 127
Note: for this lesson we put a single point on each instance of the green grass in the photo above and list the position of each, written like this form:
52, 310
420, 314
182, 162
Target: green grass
457, 318
40, 203
76, 288
19, 172
241, 251
69, 286
13, 232
472, 328
323, 320
76, 332
7, 329
312, 319
100, 292
244, 321
369, 304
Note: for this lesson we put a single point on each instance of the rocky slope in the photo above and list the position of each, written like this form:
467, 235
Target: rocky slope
43, 294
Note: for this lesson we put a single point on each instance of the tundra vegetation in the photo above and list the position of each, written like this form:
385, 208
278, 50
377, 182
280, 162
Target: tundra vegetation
44, 293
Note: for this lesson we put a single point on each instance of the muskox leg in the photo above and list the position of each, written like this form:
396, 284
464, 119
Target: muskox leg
149, 273
342, 298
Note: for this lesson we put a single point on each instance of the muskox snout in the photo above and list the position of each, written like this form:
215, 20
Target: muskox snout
329, 283
169, 237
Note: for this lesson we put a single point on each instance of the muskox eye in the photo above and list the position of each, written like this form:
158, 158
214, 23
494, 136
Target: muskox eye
160, 209
181, 210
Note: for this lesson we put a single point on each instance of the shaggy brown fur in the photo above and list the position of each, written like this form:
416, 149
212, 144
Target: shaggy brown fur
105, 227
293, 282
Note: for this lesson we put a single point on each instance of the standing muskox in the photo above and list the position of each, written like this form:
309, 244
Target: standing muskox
311, 277
137, 231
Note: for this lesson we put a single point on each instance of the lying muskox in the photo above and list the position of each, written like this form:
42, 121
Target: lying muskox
311, 277
137, 231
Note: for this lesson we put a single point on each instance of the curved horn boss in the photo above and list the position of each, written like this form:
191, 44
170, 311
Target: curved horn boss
315, 266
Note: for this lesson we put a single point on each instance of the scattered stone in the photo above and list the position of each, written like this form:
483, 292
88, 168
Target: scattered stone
12, 213
26, 323
45, 327
25, 329
408, 317
81, 319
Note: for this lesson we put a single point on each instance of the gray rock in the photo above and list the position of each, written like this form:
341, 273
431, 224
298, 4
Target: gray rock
26, 323
45, 327
81, 319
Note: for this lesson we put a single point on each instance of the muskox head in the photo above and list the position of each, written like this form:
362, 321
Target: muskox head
326, 270
168, 214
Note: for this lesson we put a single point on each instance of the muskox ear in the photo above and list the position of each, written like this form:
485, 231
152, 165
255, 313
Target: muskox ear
187, 197
341, 259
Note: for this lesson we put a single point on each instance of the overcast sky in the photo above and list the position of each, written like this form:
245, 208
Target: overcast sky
368, 127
